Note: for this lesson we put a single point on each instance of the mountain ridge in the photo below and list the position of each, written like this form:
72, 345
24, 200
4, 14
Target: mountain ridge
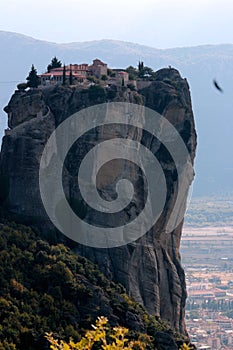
29, 37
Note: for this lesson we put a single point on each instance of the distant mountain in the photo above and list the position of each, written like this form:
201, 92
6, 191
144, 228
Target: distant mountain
200, 65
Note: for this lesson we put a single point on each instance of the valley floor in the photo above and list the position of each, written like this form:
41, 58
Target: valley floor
208, 261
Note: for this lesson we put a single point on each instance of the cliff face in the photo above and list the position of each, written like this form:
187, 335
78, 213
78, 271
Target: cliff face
150, 268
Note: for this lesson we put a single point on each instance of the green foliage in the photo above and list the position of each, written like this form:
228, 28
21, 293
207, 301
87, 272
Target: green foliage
111, 73
71, 77
104, 77
146, 73
92, 79
140, 66
97, 94
111, 92
55, 63
133, 73
33, 79
131, 87
224, 306
5, 345
138, 99
22, 86
64, 75
41, 288
143, 72
48, 288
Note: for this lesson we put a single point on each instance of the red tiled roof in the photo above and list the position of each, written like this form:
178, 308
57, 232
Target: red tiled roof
60, 74
216, 290
200, 292
75, 68
83, 66
99, 62
60, 69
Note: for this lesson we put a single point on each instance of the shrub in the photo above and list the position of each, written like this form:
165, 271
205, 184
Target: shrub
92, 79
102, 337
112, 92
185, 346
133, 73
104, 77
97, 94
22, 86
131, 87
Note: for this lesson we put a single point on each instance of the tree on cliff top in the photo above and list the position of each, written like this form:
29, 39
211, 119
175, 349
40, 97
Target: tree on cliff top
33, 79
71, 76
55, 63
64, 75
140, 65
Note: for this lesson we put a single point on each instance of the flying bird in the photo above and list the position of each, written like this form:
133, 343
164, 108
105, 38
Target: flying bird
217, 86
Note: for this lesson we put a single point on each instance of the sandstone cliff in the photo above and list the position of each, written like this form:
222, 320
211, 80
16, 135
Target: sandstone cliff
150, 268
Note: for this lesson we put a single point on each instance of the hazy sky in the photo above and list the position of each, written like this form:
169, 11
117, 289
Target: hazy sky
158, 23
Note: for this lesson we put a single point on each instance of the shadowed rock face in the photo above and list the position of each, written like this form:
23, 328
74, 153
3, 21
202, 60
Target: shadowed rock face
150, 268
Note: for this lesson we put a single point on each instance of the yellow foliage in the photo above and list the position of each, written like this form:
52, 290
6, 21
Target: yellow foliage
98, 335
185, 346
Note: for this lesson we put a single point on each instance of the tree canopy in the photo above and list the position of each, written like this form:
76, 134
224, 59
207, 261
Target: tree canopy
33, 79
55, 63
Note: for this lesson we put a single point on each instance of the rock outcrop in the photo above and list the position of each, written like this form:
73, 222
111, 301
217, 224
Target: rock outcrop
150, 268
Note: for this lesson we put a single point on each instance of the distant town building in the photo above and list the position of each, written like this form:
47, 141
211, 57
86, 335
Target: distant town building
201, 294
214, 343
219, 292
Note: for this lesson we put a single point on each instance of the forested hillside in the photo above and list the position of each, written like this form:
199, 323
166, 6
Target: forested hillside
47, 288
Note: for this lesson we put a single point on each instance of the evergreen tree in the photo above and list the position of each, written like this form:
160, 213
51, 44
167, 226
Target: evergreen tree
71, 76
132, 72
64, 75
33, 79
55, 63
140, 66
